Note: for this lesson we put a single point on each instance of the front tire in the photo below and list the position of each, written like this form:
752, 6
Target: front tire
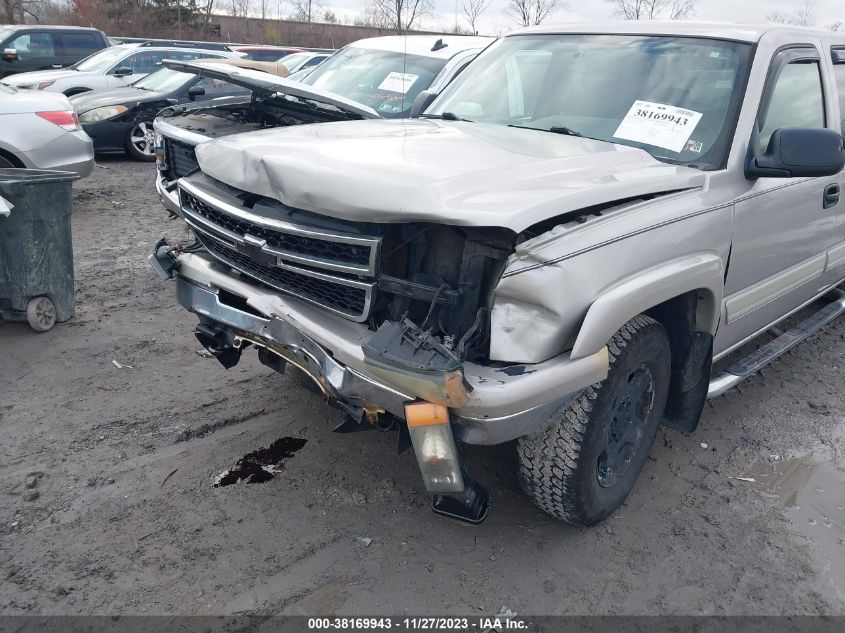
140, 142
582, 466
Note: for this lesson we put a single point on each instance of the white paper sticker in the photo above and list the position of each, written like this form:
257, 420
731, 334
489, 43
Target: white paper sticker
398, 82
658, 124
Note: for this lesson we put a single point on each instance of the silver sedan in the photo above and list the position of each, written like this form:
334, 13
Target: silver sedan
40, 130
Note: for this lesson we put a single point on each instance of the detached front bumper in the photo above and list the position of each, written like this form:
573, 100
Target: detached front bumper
505, 403
168, 193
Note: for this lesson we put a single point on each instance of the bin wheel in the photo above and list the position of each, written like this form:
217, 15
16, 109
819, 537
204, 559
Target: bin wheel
41, 314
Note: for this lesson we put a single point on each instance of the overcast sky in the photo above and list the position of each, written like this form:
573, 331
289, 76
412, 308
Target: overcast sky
495, 20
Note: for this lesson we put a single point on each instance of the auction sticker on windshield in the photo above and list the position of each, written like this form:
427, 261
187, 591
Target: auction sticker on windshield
398, 82
658, 124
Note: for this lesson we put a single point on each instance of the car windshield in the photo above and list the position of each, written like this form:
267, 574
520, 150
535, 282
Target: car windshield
386, 81
164, 80
292, 61
101, 60
674, 97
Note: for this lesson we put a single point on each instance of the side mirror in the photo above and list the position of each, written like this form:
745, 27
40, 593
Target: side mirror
122, 71
195, 91
422, 101
10, 55
798, 152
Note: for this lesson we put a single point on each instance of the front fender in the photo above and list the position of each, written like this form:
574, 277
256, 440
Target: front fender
702, 272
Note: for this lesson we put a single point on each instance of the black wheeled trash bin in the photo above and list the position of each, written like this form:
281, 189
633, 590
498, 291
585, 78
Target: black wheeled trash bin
36, 247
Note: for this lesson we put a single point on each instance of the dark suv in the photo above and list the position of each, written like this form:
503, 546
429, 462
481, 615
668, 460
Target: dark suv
33, 47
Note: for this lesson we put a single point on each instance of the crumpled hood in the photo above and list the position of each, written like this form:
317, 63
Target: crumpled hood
452, 172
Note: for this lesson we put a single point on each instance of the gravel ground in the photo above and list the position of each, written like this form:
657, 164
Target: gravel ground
126, 519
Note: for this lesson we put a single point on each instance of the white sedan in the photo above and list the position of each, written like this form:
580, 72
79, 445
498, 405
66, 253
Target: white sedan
112, 67
41, 131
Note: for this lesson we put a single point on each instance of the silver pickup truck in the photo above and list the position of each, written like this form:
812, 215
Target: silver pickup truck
556, 250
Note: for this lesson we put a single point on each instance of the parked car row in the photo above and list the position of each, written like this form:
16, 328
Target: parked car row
116, 90
372, 78
551, 249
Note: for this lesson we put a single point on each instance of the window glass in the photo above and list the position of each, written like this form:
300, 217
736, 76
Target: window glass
671, 96
294, 62
100, 61
264, 55
797, 100
142, 63
218, 87
164, 80
839, 72
386, 81
79, 43
33, 45
317, 59
187, 56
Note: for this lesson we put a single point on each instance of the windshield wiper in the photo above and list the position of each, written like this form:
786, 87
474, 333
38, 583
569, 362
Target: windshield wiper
446, 116
566, 131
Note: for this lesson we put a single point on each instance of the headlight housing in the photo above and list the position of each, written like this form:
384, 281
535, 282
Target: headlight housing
102, 114
39, 86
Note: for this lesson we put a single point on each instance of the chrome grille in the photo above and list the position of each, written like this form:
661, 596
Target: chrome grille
291, 258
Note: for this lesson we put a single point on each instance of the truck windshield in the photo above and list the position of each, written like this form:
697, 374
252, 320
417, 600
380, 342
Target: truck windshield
386, 81
675, 97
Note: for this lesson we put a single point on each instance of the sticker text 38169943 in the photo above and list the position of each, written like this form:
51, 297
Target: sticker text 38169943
658, 124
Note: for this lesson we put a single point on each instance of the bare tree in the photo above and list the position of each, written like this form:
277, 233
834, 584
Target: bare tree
805, 16
401, 15
14, 11
532, 12
306, 10
654, 9
682, 9
835, 26
472, 11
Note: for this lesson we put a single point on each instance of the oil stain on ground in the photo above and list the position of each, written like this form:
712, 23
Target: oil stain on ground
260, 465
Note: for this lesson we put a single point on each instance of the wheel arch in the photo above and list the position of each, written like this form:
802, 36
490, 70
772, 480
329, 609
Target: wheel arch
685, 297
700, 274
17, 162
76, 90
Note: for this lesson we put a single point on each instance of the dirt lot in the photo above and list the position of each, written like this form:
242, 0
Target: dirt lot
126, 519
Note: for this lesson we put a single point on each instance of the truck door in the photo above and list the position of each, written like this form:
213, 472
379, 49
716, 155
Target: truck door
836, 253
783, 227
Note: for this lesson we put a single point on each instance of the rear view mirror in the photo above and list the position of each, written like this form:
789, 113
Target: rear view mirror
10, 54
421, 102
798, 152
195, 91
122, 71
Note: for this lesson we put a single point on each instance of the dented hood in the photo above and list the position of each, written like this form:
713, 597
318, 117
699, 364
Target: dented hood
452, 172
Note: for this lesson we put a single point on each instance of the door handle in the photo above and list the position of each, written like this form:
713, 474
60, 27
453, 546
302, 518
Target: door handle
831, 196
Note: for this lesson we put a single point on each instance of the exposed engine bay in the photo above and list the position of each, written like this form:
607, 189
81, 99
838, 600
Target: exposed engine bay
259, 112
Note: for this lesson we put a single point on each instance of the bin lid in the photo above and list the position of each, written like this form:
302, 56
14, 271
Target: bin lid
14, 175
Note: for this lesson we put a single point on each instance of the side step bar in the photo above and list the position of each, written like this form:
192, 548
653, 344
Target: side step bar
754, 362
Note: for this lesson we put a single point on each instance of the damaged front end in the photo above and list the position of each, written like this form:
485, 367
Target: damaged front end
385, 321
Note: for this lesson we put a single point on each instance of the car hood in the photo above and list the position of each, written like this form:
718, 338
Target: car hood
461, 173
23, 101
99, 98
267, 84
37, 76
